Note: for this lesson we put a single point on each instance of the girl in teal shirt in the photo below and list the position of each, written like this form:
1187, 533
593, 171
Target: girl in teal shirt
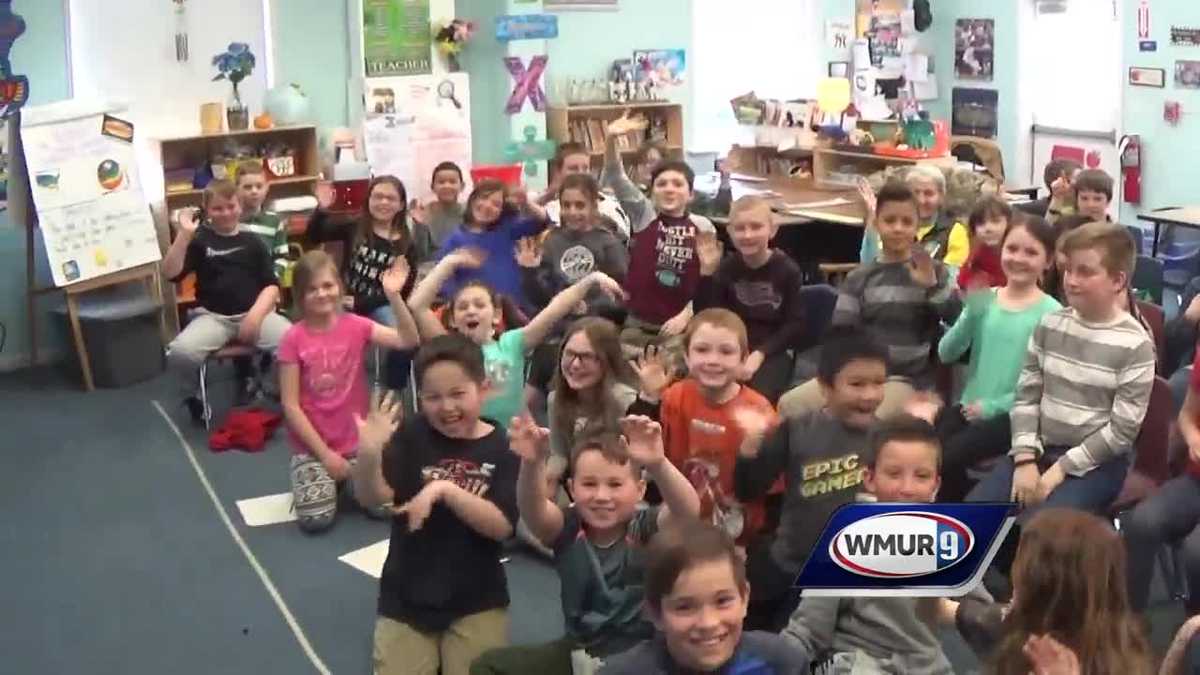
995, 326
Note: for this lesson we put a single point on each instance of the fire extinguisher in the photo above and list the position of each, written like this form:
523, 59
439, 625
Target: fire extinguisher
1131, 168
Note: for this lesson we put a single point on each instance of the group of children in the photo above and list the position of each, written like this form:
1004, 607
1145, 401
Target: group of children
666, 492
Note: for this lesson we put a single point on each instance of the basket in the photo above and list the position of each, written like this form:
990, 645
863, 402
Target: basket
509, 174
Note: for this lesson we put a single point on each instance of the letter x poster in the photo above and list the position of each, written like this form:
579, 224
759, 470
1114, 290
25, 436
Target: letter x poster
397, 37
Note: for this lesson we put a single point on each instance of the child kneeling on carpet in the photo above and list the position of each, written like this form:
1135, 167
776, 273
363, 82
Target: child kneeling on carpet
598, 541
323, 382
443, 598
696, 594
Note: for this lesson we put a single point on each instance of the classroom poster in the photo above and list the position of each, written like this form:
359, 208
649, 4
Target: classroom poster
974, 49
427, 120
397, 37
88, 196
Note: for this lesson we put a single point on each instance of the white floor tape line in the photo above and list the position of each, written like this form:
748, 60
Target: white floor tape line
265, 578
369, 559
268, 510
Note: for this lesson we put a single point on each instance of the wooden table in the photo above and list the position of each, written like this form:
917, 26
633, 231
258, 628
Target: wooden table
1186, 216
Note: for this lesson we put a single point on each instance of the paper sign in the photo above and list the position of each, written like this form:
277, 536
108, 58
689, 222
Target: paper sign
268, 510
862, 54
526, 27
927, 90
908, 23
916, 67
837, 34
369, 560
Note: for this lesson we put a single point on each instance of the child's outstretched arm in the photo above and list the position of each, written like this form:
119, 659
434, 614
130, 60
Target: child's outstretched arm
532, 444
405, 335
763, 454
643, 441
424, 294
173, 263
374, 433
631, 198
812, 626
562, 304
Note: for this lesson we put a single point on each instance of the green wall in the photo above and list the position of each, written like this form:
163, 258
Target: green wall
312, 51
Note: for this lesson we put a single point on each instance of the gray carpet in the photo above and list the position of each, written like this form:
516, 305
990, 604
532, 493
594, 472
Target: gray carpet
115, 560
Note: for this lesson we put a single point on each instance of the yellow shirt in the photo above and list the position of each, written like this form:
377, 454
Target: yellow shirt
958, 245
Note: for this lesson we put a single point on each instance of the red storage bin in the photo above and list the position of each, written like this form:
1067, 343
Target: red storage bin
509, 174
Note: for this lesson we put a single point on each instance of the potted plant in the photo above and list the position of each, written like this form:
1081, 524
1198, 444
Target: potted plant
450, 39
235, 64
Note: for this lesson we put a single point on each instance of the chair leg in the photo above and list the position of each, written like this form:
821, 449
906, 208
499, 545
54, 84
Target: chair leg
1171, 567
207, 416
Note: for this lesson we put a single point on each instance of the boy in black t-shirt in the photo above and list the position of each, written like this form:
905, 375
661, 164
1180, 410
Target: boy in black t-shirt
598, 542
235, 287
762, 286
443, 598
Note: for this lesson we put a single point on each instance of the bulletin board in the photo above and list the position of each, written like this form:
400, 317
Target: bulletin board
411, 124
87, 194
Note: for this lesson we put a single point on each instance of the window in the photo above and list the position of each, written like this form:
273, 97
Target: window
735, 51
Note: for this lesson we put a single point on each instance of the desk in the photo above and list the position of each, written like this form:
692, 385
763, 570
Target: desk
1187, 216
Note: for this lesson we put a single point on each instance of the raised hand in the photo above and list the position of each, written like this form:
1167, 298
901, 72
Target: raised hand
868, 196
383, 418
708, 250
418, 212
1048, 656
752, 421
642, 438
469, 257
529, 252
607, 284
626, 123
188, 220
326, 195
394, 277
921, 268
527, 440
924, 405
676, 324
651, 370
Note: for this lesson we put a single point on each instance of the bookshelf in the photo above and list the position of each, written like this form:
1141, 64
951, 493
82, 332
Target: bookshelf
586, 124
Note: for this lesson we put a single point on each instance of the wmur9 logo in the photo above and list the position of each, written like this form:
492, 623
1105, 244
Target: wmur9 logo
874, 549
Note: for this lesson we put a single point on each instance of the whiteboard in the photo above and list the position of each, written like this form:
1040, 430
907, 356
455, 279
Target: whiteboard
412, 124
87, 190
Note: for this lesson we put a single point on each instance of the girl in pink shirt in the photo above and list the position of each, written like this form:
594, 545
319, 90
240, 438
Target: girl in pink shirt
323, 380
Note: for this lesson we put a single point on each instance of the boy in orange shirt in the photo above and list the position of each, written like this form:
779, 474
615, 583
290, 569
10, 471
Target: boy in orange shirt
698, 419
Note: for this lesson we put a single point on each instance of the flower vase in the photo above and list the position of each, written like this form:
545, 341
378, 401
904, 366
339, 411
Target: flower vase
237, 114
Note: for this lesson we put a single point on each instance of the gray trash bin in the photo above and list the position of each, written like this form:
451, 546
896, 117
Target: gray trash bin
120, 327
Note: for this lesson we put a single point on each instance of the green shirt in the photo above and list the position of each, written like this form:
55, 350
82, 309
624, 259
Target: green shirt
268, 227
505, 362
998, 339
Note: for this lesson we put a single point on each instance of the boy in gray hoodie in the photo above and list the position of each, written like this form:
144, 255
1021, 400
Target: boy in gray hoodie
888, 636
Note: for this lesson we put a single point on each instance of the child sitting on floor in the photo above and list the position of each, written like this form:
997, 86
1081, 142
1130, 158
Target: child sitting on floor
664, 270
323, 382
900, 299
474, 312
236, 289
493, 224
598, 542
887, 635
762, 286
443, 598
820, 454
696, 595
699, 416
989, 221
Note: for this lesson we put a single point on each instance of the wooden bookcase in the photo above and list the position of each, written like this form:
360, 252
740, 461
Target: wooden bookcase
195, 152
586, 124
834, 168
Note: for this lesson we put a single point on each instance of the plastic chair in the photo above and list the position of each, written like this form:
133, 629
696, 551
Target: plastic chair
1148, 278
226, 353
1151, 459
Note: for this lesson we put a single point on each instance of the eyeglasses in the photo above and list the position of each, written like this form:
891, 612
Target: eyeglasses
585, 358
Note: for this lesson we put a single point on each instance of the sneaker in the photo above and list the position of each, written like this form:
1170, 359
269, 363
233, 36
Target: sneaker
246, 392
198, 411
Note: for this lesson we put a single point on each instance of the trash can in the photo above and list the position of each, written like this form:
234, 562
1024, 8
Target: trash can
120, 327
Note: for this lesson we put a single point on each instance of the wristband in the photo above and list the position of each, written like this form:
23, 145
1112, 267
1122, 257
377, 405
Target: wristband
1023, 462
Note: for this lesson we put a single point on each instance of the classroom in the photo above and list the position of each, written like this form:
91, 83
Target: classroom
594, 337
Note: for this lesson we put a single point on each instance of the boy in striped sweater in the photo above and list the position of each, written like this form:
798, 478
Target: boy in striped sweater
252, 192
1084, 387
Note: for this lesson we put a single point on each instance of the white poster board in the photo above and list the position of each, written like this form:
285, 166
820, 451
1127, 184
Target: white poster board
414, 123
1092, 153
87, 193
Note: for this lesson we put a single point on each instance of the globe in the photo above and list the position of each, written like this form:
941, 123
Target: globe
287, 105
109, 174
